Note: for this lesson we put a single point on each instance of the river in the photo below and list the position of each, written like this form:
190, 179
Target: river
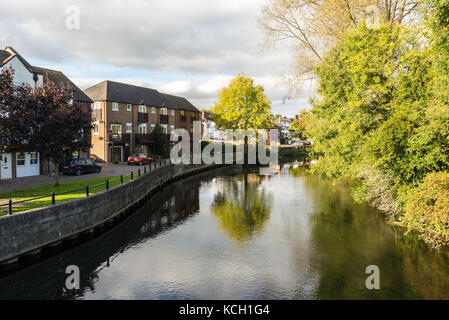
234, 234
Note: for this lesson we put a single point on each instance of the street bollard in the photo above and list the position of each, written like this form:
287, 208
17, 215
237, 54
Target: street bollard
107, 184
144, 170
138, 172
53, 198
132, 175
10, 207
87, 191
121, 179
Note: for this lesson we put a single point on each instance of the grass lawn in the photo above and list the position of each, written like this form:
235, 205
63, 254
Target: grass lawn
30, 193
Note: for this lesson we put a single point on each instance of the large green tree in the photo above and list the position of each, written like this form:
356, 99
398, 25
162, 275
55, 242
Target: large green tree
242, 105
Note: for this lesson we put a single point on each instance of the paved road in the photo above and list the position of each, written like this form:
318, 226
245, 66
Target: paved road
107, 170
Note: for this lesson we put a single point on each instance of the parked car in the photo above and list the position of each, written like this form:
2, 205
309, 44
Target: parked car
139, 159
81, 165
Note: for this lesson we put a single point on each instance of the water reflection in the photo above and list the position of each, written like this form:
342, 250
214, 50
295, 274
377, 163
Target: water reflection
297, 236
46, 280
242, 207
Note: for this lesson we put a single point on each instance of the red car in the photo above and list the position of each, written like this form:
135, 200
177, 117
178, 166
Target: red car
139, 159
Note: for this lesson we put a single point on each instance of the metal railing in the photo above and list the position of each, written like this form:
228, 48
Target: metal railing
152, 166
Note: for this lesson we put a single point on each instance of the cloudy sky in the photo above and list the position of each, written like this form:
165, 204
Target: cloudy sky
190, 48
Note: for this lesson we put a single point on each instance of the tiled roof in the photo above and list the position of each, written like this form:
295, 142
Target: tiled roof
127, 93
60, 78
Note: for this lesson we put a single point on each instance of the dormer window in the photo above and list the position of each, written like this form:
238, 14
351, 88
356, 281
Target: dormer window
142, 109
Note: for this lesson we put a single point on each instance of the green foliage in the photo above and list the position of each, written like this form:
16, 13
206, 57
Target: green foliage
242, 105
161, 142
382, 119
427, 211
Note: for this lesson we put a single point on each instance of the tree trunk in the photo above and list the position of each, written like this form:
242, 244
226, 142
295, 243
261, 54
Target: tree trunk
56, 173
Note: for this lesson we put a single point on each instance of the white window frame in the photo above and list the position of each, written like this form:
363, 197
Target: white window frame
152, 126
96, 128
97, 105
129, 128
115, 106
17, 159
144, 127
142, 109
153, 109
164, 128
116, 125
172, 128
164, 111
36, 158
129, 107
172, 112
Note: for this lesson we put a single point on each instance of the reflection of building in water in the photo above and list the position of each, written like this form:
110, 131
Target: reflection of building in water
45, 280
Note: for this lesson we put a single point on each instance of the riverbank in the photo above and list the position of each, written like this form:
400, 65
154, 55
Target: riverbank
29, 231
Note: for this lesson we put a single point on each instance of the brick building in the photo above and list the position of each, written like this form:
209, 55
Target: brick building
125, 116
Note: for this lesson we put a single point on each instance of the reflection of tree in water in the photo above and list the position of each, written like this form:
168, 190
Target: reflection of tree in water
347, 237
242, 208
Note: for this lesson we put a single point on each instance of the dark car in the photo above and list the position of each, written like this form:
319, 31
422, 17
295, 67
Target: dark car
80, 166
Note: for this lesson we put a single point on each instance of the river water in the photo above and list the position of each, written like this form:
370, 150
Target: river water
234, 234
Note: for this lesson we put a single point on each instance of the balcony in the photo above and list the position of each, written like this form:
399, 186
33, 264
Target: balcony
142, 117
163, 119
117, 138
146, 138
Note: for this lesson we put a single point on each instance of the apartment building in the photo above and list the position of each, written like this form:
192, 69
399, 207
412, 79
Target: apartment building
18, 163
125, 116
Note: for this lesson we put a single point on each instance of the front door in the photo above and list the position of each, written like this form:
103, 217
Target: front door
6, 166
117, 154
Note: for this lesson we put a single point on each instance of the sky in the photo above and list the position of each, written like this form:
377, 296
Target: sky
189, 48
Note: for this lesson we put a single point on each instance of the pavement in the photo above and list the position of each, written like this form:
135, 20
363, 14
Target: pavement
107, 170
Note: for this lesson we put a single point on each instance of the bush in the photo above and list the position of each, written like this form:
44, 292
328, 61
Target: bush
427, 210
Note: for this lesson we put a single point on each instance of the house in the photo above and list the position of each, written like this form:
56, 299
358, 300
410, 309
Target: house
16, 163
283, 124
209, 129
125, 116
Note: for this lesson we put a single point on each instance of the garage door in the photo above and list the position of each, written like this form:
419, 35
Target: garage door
27, 164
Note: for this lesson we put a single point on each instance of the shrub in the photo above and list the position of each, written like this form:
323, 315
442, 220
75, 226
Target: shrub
427, 210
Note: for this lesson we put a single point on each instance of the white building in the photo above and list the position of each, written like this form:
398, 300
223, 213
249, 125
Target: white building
25, 164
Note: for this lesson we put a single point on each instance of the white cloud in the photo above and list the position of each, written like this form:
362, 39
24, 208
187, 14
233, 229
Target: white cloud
195, 46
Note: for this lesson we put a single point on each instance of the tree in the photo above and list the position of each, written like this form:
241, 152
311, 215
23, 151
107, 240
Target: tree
161, 141
242, 105
14, 118
298, 125
57, 127
42, 120
310, 27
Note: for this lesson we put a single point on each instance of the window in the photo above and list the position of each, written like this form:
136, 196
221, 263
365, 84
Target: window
115, 106
129, 127
172, 128
153, 110
143, 128
34, 158
142, 109
20, 159
164, 111
97, 106
164, 128
96, 128
70, 102
152, 127
172, 111
129, 107
182, 113
116, 128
